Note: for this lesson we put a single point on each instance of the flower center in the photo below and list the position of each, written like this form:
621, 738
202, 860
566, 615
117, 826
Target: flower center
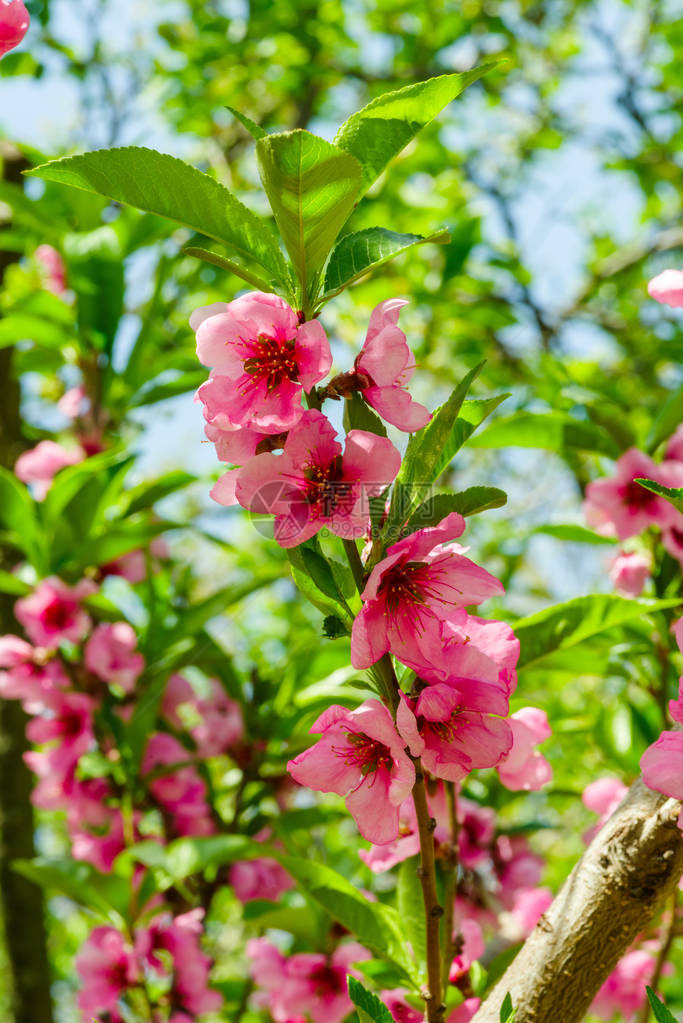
57, 614
272, 362
444, 730
326, 488
364, 752
326, 980
404, 584
637, 497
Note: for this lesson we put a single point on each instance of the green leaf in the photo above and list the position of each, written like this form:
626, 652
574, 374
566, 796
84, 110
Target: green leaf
507, 1013
312, 187
378, 132
472, 414
670, 416
357, 254
468, 502
107, 894
551, 431
94, 266
359, 416
410, 906
320, 572
18, 515
567, 625
575, 534
10, 583
162, 184
674, 495
376, 926
161, 390
230, 265
323, 599
370, 1009
146, 494
662, 1014
254, 129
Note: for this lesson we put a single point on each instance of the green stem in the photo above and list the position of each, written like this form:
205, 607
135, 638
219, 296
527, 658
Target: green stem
355, 563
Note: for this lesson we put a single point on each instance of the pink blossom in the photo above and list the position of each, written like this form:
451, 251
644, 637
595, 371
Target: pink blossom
524, 767
313, 484
53, 266
177, 786
74, 403
69, 726
667, 287
528, 907
304, 985
672, 539
451, 732
469, 944
27, 675
14, 22
40, 465
662, 765
463, 1013
476, 832
360, 756
419, 585
624, 990
215, 722
400, 1009
110, 654
95, 827
53, 612
618, 506
265, 357
260, 878
107, 967
602, 796
629, 572
517, 867
235, 444
383, 856
674, 447
180, 937
384, 366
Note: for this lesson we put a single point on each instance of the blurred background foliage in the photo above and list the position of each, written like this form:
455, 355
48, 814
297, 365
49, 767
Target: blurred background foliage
558, 177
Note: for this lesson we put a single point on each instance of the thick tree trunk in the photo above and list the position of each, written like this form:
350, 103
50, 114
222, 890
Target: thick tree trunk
21, 903
619, 884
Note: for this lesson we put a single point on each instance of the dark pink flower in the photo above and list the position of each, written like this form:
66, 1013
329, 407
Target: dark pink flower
469, 942
40, 465
400, 1009
177, 786
107, 967
667, 287
214, 721
629, 572
53, 612
418, 586
384, 366
111, 655
260, 878
618, 506
14, 22
451, 732
313, 484
624, 990
524, 767
361, 756
528, 907
265, 357
69, 727
180, 936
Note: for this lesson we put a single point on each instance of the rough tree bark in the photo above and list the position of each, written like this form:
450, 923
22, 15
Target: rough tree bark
633, 864
21, 902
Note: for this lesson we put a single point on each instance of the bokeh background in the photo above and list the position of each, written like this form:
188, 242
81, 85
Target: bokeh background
559, 179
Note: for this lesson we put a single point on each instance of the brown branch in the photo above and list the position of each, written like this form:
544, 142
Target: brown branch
433, 909
451, 871
632, 866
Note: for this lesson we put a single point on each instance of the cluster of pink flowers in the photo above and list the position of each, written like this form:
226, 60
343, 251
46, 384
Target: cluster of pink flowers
110, 967
618, 506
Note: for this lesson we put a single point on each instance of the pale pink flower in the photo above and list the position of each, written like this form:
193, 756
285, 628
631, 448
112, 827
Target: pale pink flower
53, 612
469, 943
95, 827
305, 985
260, 878
384, 366
419, 585
177, 786
180, 936
26, 674
463, 1013
400, 1009
529, 906
265, 356
313, 484
69, 727
667, 287
361, 756
662, 765
107, 967
618, 506
40, 465
110, 653
235, 444
53, 267
524, 767
476, 832
14, 22
517, 867
383, 856
74, 403
453, 733
215, 722
629, 572
602, 796
624, 990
